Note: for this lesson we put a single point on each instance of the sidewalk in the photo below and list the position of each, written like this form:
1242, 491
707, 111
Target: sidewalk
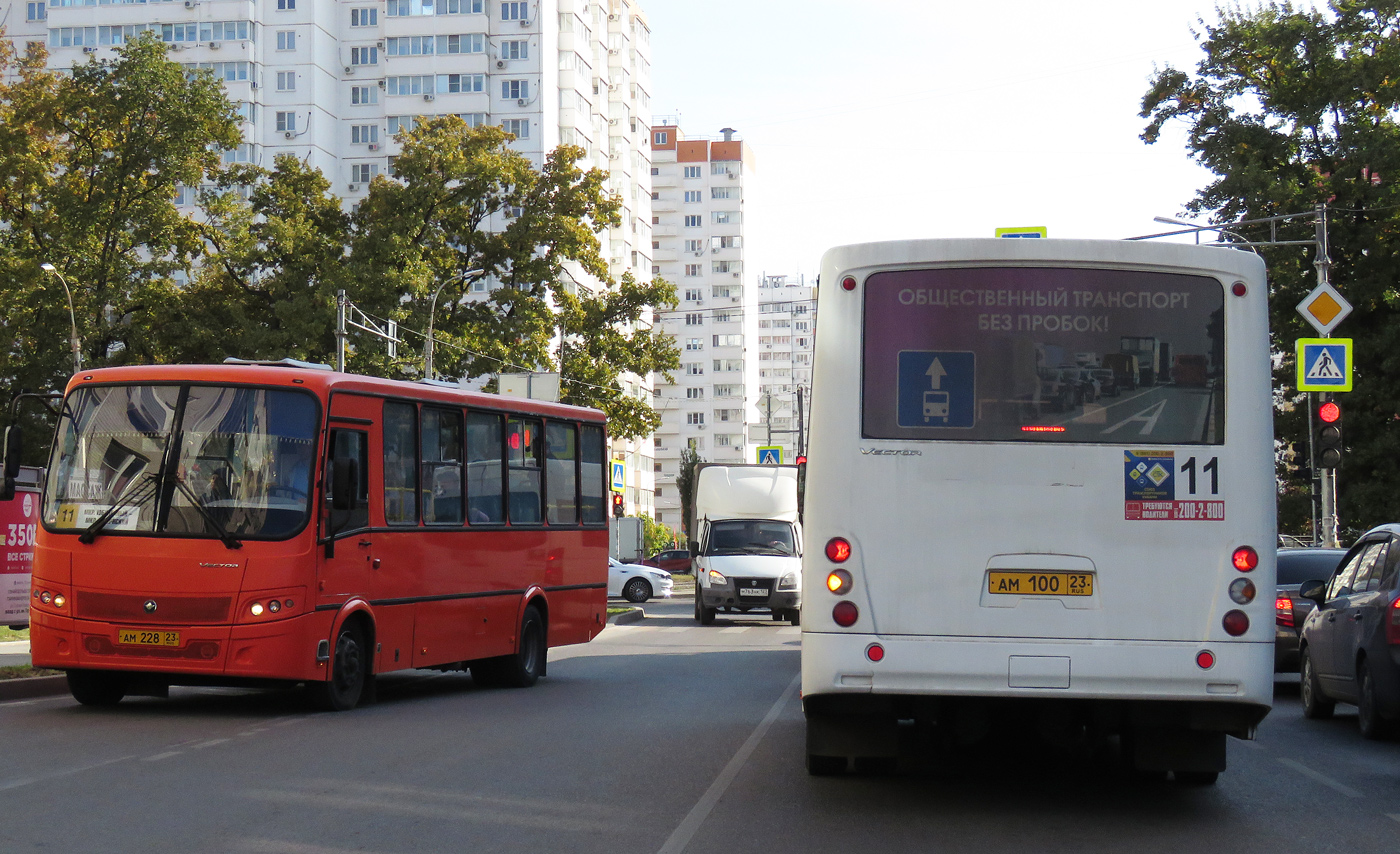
13, 653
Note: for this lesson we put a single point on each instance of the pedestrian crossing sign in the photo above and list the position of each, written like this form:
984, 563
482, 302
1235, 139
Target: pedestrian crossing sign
770, 455
1324, 364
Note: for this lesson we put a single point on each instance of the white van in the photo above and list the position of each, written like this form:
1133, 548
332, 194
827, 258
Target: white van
748, 546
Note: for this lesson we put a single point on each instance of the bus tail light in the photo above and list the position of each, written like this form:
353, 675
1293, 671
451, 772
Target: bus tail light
875, 652
1283, 611
1205, 659
1245, 559
1392, 623
1236, 623
838, 550
845, 614
1242, 591
839, 582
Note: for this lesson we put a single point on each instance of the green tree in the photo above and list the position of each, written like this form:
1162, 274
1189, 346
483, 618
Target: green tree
685, 483
657, 537
1291, 108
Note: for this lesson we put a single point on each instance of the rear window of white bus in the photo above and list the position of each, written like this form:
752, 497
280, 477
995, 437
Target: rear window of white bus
1020, 354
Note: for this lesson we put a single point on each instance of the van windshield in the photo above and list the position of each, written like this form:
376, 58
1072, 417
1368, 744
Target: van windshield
186, 460
750, 537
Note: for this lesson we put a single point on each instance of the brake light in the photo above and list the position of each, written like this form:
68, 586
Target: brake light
1245, 559
1236, 623
1392, 625
1205, 659
845, 614
1283, 609
838, 550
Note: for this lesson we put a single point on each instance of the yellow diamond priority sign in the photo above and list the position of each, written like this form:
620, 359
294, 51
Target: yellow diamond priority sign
1324, 308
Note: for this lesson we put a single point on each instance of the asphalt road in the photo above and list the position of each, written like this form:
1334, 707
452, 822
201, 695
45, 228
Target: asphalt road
657, 737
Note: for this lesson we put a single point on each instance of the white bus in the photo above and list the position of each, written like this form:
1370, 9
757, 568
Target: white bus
998, 533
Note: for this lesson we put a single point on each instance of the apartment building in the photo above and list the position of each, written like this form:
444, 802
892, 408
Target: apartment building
787, 319
333, 81
698, 190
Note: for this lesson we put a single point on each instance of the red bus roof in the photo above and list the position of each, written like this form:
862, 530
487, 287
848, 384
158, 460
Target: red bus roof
324, 382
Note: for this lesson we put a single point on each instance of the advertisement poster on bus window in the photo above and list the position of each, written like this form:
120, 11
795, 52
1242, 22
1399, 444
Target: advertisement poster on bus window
19, 520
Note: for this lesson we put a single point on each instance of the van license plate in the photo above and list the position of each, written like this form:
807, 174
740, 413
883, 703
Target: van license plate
753, 591
1041, 583
138, 637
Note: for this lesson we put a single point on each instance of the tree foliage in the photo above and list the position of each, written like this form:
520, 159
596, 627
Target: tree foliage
685, 483
1291, 108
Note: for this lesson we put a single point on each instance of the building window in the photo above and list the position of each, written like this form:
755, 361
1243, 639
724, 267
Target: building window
725, 267
693, 269
409, 46
364, 55
519, 127
463, 43
723, 440
286, 40
287, 122
655, 170
724, 192
695, 394
729, 340
729, 167
694, 319
725, 291
36, 11
695, 443
694, 344
516, 49
454, 83
724, 316
660, 137
364, 17
694, 369
361, 173
515, 11
695, 246
417, 84
728, 365
286, 5
693, 221
724, 217
692, 196
286, 81
692, 172
364, 95
363, 134
695, 418
515, 89
725, 390
693, 294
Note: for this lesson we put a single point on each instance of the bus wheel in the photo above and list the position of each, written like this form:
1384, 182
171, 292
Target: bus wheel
349, 671
527, 665
704, 616
96, 687
825, 766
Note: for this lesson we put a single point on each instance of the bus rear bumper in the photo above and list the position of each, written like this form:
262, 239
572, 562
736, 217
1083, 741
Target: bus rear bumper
1231, 696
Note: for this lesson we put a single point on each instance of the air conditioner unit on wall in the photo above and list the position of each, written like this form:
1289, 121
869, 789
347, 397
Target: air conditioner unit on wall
352, 187
522, 102
500, 63
524, 23
289, 135
374, 146
429, 97
349, 69
214, 45
190, 4
89, 49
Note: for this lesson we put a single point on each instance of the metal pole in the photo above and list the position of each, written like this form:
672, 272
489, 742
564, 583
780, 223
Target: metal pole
1314, 476
340, 302
770, 419
428, 344
1330, 522
801, 435
73, 341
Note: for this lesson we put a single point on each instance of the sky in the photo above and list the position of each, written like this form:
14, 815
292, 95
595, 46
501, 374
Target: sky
929, 118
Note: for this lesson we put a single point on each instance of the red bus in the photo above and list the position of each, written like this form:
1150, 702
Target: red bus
254, 524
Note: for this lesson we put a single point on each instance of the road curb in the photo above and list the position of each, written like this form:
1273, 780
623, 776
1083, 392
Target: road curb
34, 686
636, 615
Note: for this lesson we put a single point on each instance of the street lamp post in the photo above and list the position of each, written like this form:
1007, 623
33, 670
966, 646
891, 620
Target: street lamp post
432, 315
72, 317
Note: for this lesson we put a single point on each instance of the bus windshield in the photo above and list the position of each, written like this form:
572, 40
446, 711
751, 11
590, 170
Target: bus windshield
190, 460
1045, 354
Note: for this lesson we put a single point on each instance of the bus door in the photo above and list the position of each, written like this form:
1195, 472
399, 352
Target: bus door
346, 568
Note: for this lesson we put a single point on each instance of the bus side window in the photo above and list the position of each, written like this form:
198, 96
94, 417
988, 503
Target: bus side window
591, 474
523, 455
485, 487
400, 463
442, 467
561, 480
351, 445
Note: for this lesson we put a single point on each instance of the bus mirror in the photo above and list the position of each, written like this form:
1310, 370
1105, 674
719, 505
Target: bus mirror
13, 441
345, 478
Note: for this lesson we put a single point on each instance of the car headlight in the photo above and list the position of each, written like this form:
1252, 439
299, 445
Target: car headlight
788, 582
717, 578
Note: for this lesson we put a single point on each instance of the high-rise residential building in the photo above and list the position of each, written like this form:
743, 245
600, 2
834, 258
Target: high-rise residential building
787, 319
697, 197
332, 81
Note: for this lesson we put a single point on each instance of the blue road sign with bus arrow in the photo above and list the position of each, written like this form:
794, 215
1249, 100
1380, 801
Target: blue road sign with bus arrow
937, 388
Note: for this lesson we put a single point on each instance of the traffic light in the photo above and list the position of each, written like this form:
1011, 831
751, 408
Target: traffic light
1327, 437
617, 504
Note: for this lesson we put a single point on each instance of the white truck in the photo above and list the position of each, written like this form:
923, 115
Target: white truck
748, 546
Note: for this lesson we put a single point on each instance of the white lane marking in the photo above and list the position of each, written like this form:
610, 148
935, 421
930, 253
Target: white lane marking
734, 630
790, 630
1391, 815
685, 831
159, 756
29, 781
1320, 777
1148, 417
64, 698
211, 743
674, 629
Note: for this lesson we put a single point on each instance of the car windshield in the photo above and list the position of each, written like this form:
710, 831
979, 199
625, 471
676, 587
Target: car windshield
750, 536
199, 461
1295, 567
